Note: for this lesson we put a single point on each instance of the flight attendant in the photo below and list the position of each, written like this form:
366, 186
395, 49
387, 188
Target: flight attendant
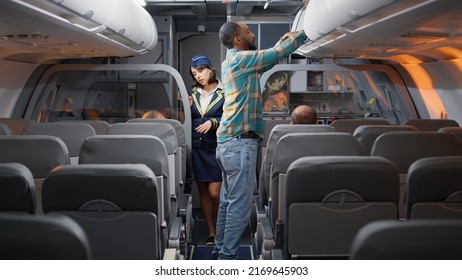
206, 101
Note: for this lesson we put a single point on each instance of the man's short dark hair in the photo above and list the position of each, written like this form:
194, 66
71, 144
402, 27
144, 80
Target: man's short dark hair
228, 31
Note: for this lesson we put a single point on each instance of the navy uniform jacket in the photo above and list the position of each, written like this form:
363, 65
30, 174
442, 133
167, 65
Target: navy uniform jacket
200, 115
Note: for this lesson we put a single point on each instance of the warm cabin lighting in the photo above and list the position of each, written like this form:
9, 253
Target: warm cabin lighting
425, 86
406, 59
450, 52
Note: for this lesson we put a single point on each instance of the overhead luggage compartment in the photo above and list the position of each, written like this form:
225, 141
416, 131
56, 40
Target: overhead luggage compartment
40, 30
383, 29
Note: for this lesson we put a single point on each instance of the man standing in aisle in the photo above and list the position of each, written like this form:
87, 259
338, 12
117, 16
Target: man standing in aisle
241, 127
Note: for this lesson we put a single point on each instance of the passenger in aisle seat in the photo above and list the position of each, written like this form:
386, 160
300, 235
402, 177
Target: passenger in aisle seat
153, 114
304, 114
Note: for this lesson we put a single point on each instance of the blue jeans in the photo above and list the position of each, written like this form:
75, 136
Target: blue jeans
237, 159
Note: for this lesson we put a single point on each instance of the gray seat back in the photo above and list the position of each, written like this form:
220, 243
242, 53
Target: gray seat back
293, 146
434, 188
431, 124
16, 125
72, 134
162, 130
29, 237
409, 240
404, 147
116, 204
329, 198
4, 129
119, 149
179, 130
366, 134
454, 130
349, 125
100, 126
181, 139
17, 189
268, 126
39, 153
267, 155
167, 134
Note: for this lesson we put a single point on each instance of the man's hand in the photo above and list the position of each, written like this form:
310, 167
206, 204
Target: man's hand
288, 35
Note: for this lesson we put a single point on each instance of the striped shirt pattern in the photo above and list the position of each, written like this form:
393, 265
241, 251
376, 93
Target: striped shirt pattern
240, 73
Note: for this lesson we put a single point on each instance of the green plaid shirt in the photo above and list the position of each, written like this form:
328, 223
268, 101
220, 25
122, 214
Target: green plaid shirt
240, 73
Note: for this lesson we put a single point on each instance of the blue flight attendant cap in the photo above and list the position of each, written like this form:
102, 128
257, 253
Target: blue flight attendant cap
200, 60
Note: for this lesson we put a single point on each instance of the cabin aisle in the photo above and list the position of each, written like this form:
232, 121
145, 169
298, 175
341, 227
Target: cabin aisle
199, 251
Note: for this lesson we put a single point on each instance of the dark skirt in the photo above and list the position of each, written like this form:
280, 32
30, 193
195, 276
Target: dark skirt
205, 166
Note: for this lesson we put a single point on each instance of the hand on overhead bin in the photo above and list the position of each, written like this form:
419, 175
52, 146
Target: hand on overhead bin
288, 35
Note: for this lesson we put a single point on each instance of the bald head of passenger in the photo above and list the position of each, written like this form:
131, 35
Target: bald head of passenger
304, 114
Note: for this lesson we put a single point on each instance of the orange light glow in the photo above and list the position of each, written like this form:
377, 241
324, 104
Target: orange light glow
405, 59
450, 52
427, 90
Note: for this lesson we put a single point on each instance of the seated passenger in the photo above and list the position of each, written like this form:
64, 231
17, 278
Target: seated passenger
153, 114
304, 114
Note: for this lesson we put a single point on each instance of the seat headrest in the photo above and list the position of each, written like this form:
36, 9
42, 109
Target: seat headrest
132, 187
17, 190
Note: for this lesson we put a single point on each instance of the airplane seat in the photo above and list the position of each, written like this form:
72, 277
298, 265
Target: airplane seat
143, 149
117, 205
404, 147
268, 126
434, 188
431, 124
16, 125
17, 189
39, 153
279, 130
181, 140
183, 177
275, 134
329, 198
4, 129
366, 134
53, 237
409, 240
349, 125
289, 148
454, 130
72, 134
167, 133
100, 126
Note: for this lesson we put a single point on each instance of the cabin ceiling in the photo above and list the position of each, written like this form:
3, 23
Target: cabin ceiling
188, 14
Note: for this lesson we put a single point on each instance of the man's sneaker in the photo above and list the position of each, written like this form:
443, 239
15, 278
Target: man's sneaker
210, 241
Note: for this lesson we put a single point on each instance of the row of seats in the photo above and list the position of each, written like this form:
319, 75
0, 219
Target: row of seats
349, 125
330, 198
17, 126
123, 145
396, 143
397, 147
409, 240
116, 206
